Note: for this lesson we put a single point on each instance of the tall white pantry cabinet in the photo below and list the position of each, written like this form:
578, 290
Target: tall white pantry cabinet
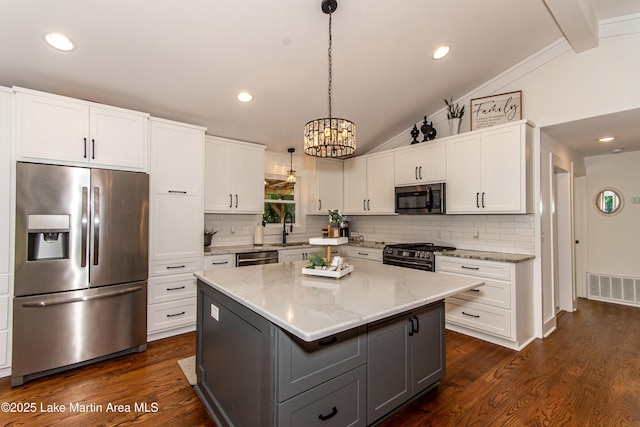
5, 228
176, 180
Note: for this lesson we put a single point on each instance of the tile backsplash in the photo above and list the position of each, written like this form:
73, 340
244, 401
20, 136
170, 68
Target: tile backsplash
495, 233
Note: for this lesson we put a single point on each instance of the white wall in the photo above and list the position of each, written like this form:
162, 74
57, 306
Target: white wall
612, 245
572, 87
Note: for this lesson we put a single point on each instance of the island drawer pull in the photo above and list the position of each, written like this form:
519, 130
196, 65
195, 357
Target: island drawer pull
334, 411
220, 263
171, 267
176, 289
176, 314
177, 192
333, 339
470, 268
474, 290
477, 316
363, 253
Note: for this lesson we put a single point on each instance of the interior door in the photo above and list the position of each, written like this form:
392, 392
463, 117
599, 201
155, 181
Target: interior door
119, 227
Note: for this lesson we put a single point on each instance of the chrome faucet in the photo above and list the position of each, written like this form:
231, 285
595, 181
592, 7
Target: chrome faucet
284, 227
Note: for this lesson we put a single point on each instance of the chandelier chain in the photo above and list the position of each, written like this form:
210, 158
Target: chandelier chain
330, 61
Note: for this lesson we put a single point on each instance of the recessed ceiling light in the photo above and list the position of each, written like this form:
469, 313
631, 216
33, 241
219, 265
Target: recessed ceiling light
617, 150
244, 97
607, 139
441, 52
59, 41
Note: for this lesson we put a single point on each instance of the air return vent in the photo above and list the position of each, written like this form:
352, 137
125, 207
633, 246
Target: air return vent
622, 290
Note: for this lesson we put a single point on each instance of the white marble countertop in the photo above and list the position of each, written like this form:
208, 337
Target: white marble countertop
316, 307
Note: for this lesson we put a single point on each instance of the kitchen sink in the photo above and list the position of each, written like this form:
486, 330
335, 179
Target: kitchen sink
290, 244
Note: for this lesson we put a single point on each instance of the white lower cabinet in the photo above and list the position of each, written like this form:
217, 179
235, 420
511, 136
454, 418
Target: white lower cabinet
369, 254
172, 303
211, 262
286, 255
500, 311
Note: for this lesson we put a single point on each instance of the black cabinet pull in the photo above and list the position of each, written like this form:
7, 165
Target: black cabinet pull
420, 172
412, 327
236, 201
177, 192
417, 172
93, 148
470, 268
334, 411
477, 200
171, 267
471, 315
417, 324
176, 289
483, 199
177, 314
368, 204
230, 200
84, 155
319, 204
474, 290
329, 342
363, 253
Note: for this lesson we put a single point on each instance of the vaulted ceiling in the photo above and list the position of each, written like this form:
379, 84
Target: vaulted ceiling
187, 60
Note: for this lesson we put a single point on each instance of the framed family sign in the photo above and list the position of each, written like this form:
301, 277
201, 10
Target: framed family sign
496, 109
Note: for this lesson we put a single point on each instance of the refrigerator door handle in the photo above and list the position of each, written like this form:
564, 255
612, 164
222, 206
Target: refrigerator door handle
96, 224
47, 302
85, 225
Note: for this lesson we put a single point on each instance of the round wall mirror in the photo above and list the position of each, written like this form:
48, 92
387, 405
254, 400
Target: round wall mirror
608, 201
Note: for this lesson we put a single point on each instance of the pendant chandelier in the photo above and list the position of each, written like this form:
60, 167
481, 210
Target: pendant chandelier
291, 174
330, 136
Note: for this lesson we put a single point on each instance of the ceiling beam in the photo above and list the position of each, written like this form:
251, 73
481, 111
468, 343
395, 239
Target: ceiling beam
578, 22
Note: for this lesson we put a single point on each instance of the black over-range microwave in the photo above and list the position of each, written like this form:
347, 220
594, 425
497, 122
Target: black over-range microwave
421, 199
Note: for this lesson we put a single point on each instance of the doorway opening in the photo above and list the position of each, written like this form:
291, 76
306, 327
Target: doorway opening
562, 230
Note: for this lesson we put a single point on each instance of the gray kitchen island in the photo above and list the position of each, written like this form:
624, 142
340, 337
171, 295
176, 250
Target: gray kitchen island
277, 348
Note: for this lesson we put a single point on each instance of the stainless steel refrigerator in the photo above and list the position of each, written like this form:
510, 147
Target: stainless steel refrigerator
81, 267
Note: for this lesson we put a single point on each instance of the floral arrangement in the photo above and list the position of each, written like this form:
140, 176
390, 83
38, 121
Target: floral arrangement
454, 111
335, 216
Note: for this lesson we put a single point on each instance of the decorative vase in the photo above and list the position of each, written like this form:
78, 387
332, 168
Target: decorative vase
207, 239
454, 126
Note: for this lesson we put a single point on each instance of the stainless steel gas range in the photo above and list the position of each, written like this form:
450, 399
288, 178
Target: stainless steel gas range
419, 256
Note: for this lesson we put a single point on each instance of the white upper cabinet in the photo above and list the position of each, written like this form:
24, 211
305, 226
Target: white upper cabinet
329, 186
489, 171
234, 176
56, 129
369, 184
176, 183
421, 164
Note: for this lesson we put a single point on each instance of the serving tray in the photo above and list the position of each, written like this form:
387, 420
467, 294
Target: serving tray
336, 274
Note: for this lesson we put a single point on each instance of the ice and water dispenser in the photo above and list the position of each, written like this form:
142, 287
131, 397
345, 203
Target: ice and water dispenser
48, 237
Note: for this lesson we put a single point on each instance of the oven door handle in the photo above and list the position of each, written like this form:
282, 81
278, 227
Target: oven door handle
402, 263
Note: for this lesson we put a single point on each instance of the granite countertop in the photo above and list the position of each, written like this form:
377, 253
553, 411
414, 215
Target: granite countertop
487, 256
225, 250
316, 307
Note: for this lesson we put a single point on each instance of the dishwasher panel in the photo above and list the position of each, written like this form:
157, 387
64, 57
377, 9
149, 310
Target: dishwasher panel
256, 258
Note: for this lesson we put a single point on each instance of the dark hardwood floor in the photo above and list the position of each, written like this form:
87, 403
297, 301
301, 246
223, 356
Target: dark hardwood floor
587, 373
